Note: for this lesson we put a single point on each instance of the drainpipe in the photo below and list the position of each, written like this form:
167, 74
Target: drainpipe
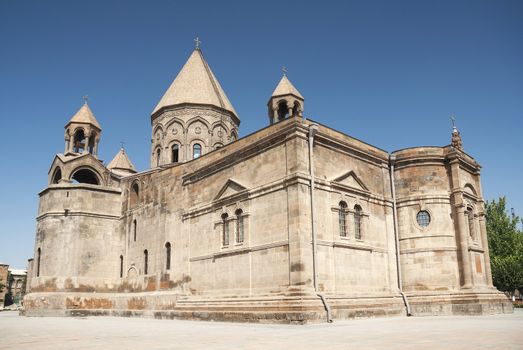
313, 129
392, 159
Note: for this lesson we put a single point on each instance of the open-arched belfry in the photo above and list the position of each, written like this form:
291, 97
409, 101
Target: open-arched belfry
296, 222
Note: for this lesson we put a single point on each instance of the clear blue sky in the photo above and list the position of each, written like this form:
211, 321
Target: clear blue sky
387, 72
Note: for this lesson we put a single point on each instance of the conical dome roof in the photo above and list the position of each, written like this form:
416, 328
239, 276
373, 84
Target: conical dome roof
285, 87
197, 84
86, 116
121, 163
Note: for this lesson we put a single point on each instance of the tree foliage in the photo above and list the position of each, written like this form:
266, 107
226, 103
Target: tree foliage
506, 246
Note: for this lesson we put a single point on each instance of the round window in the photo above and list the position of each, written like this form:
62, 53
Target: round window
423, 218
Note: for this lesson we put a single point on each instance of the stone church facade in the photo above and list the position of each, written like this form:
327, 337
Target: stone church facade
294, 223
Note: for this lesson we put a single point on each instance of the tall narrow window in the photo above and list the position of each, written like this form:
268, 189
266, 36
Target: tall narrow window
158, 154
342, 219
38, 255
145, 262
239, 226
134, 230
470, 216
196, 150
357, 222
121, 266
175, 150
225, 230
167, 256
135, 194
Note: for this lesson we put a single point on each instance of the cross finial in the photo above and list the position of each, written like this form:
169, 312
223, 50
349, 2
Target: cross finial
284, 71
85, 98
198, 42
453, 119
122, 144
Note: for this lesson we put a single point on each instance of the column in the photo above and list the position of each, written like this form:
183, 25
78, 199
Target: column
463, 237
486, 254
290, 111
86, 146
66, 148
71, 143
460, 220
275, 115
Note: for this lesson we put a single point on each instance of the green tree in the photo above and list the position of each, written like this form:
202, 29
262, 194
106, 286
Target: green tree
506, 246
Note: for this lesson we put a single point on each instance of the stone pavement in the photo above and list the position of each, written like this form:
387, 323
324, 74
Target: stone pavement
445, 332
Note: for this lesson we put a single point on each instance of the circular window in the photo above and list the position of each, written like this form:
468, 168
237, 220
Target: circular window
423, 218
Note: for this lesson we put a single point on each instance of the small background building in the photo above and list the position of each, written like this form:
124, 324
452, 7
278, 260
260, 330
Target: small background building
3, 283
13, 283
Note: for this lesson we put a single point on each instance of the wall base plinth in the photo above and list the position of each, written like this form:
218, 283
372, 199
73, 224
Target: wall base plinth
263, 309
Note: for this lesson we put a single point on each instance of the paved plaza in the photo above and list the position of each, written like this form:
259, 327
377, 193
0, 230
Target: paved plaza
479, 332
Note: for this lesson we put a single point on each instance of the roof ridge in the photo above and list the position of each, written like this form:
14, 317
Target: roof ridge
211, 78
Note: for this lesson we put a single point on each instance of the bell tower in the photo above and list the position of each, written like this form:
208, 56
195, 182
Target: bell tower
285, 102
82, 132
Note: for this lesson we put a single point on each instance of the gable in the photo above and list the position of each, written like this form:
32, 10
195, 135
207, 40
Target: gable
350, 179
230, 188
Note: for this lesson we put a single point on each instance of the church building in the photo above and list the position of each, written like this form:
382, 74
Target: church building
294, 223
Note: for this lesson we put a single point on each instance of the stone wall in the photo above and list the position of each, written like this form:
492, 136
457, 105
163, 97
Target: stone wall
78, 239
85, 230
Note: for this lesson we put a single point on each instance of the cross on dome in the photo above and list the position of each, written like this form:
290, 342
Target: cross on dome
198, 42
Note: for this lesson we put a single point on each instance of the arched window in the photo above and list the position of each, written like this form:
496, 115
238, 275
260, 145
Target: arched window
296, 110
79, 141
145, 262
470, 216
90, 146
239, 226
158, 155
57, 176
225, 230
85, 176
196, 150
357, 221
342, 219
121, 266
283, 110
175, 151
38, 256
135, 194
134, 230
